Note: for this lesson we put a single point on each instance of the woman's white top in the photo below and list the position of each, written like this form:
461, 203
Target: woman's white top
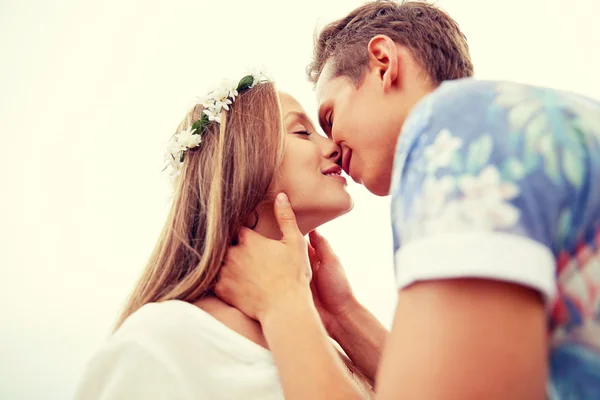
175, 350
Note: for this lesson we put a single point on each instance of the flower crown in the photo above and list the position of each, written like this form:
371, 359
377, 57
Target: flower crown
214, 103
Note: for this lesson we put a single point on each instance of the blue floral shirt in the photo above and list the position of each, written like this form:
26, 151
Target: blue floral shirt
503, 181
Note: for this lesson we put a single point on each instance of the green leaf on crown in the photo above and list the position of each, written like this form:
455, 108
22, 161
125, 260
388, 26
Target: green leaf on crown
199, 126
245, 83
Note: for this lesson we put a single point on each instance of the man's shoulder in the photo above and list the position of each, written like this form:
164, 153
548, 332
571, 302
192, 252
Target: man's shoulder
450, 99
480, 93
462, 92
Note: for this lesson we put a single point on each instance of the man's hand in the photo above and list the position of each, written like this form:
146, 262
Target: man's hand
261, 274
269, 280
331, 290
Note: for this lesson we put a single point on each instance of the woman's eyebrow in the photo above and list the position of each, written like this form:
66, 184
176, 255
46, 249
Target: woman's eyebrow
298, 115
302, 117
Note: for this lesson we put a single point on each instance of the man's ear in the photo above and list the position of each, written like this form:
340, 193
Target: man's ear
383, 61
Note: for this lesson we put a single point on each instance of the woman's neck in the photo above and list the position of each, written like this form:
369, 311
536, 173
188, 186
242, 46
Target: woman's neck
233, 318
267, 225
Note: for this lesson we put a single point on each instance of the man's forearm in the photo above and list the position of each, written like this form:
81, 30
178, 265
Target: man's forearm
362, 337
309, 367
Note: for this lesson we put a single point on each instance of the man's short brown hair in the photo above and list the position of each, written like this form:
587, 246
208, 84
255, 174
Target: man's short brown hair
432, 36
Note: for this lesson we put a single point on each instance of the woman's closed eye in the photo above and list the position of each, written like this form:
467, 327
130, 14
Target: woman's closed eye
303, 133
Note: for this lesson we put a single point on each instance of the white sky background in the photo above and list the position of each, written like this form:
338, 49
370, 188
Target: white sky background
91, 91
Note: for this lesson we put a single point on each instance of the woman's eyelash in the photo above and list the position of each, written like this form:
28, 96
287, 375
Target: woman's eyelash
305, 133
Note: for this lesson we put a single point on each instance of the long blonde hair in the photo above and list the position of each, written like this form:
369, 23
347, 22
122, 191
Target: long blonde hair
222, 183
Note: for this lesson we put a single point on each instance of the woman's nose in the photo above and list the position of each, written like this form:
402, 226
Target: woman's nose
331, 150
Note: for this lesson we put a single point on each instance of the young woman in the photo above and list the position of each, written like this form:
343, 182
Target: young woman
231, 155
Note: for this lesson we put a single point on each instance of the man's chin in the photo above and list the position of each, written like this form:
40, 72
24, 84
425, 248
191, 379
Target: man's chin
379, 187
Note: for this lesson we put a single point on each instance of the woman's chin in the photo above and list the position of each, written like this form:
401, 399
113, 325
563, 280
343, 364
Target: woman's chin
345, 205
350, 205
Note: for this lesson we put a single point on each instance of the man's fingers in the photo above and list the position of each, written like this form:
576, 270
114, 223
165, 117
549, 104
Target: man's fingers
221, 288
312, 257
321, 246
286, 218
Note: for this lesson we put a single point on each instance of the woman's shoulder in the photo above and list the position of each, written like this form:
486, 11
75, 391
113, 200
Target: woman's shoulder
166, 320
209, 327
173, 347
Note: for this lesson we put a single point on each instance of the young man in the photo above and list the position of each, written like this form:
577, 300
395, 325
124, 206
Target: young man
496, 217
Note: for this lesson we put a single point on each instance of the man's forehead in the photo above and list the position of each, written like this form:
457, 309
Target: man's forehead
322, 88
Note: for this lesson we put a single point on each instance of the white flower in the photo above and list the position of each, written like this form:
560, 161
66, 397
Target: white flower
173, 144
222, 97
228, 88
187, 139
220, 94
174, 173
173, 161
450, 220
173, 147
428, 208
484, 206
522, 106
214, 103
440, 153
213, 115
488, 185
177, 146
223, 104
510, 93
259, 74
433, 196
213, 107
173, 153
486, 200
205, 101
